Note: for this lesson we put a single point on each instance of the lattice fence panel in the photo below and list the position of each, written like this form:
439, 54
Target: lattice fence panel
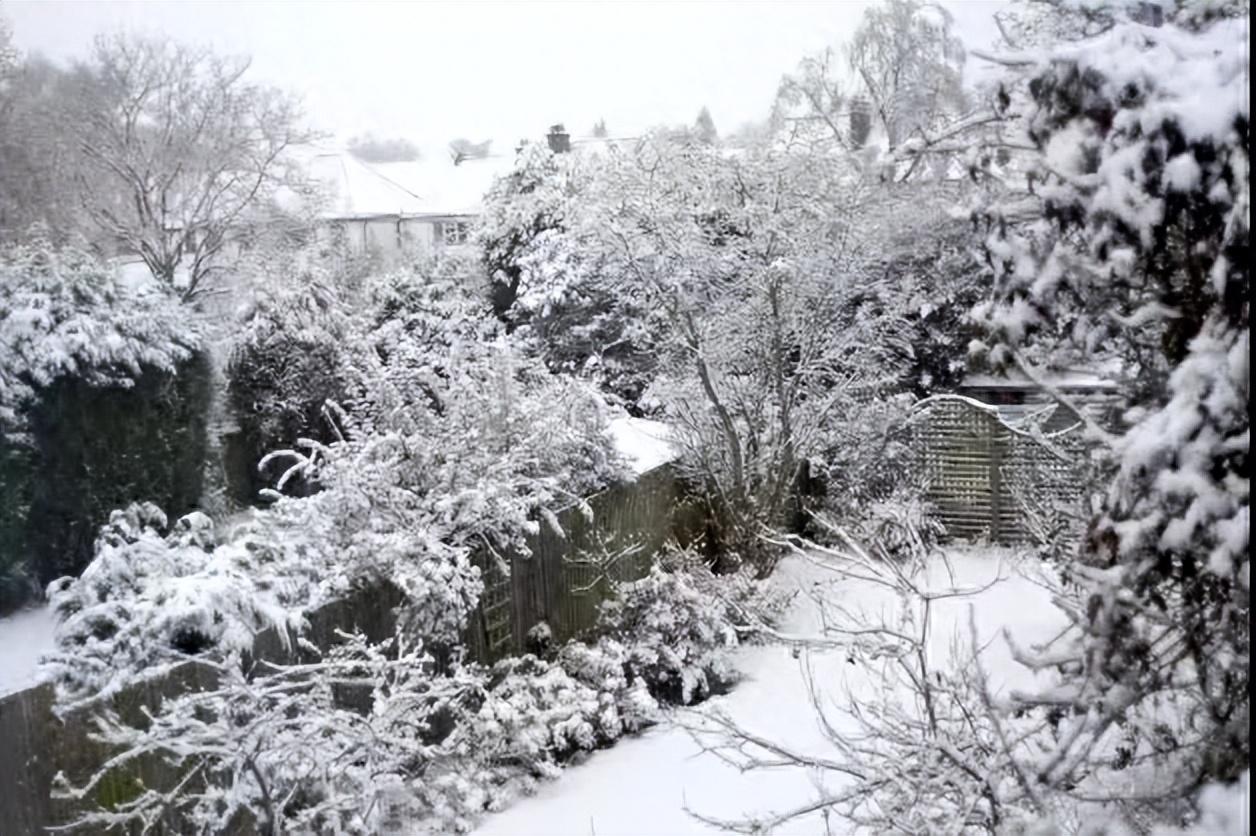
984, 475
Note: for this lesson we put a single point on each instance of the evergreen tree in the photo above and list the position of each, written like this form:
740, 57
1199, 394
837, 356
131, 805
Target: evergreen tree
704, 127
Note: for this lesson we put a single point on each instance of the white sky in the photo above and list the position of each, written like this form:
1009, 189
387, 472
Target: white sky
433, 71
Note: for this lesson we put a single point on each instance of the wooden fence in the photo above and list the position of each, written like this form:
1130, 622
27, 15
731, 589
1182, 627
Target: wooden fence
38, 744
986, 476
569, 570
561, 583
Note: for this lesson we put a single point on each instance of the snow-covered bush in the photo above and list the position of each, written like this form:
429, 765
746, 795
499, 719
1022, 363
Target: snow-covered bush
286, 362
678, 640
453, 428
605, 667
676, 627
535, 714
156, 594
526, 718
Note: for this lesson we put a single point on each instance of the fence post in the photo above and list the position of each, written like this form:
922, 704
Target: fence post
996, 483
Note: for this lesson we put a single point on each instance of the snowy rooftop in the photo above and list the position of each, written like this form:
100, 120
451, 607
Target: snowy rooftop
430, 186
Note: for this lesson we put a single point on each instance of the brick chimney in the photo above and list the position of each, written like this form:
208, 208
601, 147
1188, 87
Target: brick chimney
559, 140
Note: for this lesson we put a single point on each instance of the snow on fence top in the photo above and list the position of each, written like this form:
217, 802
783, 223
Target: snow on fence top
643, 442
24, 637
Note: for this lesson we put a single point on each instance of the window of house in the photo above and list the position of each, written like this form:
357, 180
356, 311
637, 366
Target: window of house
453, 233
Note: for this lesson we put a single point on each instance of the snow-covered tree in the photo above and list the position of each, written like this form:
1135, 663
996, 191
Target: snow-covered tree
909, 64
8, 52
746, 258
185, 149
524, 214
704, 127
548, 281
898, 83
37, 165
1133, 243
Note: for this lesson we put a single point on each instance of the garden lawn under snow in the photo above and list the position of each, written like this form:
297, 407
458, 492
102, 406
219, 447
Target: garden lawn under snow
643, 785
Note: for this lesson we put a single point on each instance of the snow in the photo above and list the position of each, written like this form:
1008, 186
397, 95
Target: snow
1183, 173
24, 637
430, 186
1224, 811
643, 442
1061, 379
644, 784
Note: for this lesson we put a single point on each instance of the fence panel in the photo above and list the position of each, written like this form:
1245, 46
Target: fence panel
568, 573
982, 473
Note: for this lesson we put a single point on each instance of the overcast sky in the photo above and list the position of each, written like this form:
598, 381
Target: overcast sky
433, 71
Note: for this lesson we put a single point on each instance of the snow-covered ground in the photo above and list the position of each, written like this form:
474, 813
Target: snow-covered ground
24, 637
643, 785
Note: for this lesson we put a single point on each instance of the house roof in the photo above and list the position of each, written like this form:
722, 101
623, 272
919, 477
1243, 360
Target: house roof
1059, 378
432, 186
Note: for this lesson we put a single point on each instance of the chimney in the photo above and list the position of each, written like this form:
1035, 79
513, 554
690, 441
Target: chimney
559, 140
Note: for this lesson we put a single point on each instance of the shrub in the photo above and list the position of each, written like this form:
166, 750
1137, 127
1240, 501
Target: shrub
677, 627
283, 369
530, 716
156, 594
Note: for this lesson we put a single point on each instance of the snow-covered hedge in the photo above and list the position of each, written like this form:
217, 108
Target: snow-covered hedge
103, 390
64, 314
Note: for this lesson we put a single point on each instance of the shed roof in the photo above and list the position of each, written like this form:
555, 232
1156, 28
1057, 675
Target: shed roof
1060, 378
